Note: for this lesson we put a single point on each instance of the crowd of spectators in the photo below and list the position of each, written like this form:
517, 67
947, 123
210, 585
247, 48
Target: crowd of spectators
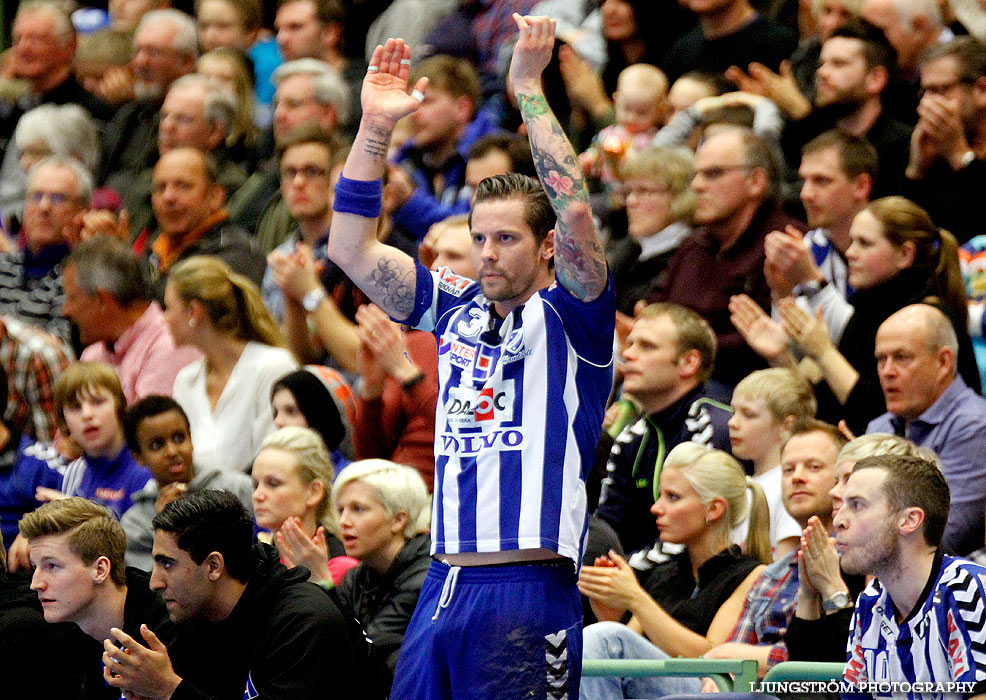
217, 453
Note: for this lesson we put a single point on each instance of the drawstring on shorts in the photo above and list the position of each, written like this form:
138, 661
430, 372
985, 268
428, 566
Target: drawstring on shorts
448, 590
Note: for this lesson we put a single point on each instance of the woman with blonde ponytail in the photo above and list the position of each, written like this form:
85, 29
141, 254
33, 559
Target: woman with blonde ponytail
226, 394
690, 603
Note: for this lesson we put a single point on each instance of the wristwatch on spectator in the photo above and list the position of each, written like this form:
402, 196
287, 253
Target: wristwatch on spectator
966, 159
837, 601
312, 299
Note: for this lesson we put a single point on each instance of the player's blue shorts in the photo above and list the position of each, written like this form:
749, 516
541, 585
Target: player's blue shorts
493, 633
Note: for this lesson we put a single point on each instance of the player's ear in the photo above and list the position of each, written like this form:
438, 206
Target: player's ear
101, 569
215, 565
548, 246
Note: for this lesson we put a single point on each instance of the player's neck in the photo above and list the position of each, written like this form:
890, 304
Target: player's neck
105, 613
906, 577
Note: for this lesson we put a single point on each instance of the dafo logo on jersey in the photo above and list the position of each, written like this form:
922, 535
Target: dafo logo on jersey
471, 408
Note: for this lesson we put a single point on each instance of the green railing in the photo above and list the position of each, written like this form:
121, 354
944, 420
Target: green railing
728, 674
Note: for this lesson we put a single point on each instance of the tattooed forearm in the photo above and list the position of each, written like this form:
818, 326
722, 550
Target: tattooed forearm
397, 284
554, 156
579, 272
377, 142
579, 258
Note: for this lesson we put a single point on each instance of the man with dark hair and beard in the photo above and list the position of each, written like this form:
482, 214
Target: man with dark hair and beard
920, 621
855, 68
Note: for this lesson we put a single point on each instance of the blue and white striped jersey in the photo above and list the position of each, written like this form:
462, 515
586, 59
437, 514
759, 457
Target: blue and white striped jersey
520, 409
944, 640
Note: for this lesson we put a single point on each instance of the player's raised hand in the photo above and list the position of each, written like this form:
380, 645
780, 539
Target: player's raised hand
384, 93
532, 52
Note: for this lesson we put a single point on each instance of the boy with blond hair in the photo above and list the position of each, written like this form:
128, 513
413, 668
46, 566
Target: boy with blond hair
77, 550
765, 403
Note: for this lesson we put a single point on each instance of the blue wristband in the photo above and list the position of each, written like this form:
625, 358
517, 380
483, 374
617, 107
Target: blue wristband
360, 197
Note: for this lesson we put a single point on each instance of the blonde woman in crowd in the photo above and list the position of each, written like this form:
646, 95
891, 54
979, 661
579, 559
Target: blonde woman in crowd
690, 603
293, 476
226, 393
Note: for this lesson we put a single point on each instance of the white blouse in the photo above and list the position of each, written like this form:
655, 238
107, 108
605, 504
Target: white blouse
230, 437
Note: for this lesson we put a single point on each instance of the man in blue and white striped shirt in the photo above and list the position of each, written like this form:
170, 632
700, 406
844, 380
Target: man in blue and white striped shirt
525, 366
920, 626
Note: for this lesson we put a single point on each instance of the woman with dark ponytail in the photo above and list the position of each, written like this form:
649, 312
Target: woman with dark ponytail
896, 257
226, 394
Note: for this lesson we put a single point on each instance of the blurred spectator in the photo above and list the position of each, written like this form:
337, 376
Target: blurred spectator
165, 48
641, 107
102, 65
43, 46
947, 168
735, 185
857, 64
198, 112
108, 300
31, 288
383, 519
230, 69
292, 503
226, 394
659, 208
308, 92
65, 131
442, 131
398, 393
314, 29
729, 33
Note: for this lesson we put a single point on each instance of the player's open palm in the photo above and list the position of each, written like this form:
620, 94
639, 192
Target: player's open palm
384, 91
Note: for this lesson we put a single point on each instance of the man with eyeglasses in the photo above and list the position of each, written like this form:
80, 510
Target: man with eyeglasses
735, 183
302, 285
165, 48
31, 288
947, 169
307, 155
309, 91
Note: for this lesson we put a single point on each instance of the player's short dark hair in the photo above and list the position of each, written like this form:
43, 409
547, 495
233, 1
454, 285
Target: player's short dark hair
538, 214
148, 407
857, 156
209, 521
913, 482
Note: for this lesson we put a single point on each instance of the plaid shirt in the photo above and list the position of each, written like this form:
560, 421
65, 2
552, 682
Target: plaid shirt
768, 608
494, 25
33, 360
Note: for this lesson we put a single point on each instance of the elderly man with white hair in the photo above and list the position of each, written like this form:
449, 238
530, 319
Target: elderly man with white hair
309, 91
165, 48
